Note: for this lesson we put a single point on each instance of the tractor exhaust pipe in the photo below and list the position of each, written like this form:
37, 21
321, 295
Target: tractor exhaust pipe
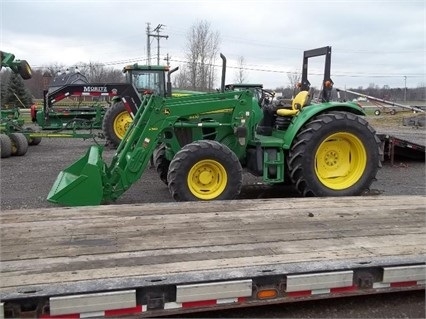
169, 82
222, 83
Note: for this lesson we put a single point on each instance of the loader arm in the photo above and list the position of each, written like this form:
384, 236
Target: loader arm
90, 181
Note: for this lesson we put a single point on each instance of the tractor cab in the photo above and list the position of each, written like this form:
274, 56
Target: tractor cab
147, 79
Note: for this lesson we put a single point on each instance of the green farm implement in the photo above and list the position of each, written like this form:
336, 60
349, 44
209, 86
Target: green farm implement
12, 139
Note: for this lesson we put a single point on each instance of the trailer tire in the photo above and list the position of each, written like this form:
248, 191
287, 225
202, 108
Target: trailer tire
161, 163
19, 144
24, 70
377, 112
5, 146
205, 170
335, 154
115, 123
33, 140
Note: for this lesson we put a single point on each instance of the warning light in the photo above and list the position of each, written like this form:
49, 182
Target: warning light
267, 294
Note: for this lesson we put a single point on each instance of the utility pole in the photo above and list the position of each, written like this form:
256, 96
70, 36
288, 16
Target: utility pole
148, 44
167, 59
156, 35
405, 88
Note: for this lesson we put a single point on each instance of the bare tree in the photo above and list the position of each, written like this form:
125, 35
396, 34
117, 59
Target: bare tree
294, 79
240, 76
203, 48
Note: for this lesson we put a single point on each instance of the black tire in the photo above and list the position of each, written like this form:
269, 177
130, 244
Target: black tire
115, 123
5, 146
24, 70
208, 160
161, 163
377, 112
19, 144
392, 112
335, 154
33, 140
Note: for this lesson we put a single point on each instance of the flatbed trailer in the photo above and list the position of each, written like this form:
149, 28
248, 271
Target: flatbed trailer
171, 258
407, 143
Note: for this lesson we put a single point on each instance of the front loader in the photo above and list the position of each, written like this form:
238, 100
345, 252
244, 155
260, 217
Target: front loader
204, 142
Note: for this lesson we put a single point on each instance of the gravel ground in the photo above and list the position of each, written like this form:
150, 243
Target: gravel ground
26, 181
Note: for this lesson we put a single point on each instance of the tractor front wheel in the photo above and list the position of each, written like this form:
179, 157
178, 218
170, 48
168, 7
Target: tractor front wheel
335, 154
116, 123
161, 163
205, 170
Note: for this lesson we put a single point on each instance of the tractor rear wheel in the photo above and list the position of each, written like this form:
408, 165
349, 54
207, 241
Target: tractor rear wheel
335, 154
19, 144
115, 123
5, 146
161, 163
205, 170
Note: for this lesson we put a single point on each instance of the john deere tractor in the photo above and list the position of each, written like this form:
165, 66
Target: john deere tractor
204, 142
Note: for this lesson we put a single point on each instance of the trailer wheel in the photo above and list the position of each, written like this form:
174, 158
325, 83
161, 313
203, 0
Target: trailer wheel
335, 154
5, 146
19, 144
24, 70
377, 112
115, 123
205, 170
33, 140
161, 163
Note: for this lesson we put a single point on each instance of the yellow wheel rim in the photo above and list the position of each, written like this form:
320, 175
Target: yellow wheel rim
121, 123
207, 179
340, 161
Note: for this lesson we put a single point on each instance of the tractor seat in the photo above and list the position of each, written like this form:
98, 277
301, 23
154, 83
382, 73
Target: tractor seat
301, 100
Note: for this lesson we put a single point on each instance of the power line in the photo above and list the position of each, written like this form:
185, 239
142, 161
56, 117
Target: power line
266, 70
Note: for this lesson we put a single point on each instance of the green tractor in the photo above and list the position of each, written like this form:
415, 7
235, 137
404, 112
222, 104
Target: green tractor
203, 142
12, 140
144, 79
115, 119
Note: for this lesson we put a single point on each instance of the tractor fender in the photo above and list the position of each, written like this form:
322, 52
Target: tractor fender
312, 111
116, 99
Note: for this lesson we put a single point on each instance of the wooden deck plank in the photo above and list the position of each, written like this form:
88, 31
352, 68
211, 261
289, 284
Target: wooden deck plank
70, 245
306, 251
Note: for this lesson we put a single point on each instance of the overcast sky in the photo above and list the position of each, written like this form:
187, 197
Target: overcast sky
380, 42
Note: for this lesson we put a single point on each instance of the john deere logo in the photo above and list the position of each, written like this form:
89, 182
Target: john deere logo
166, 111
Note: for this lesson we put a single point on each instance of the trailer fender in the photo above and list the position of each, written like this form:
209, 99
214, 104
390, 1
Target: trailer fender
311, 111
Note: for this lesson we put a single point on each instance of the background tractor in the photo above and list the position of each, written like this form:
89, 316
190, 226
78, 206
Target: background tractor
204, 142
95, 113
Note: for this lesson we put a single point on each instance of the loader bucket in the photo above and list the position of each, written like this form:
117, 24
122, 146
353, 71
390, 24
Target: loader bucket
81, 183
